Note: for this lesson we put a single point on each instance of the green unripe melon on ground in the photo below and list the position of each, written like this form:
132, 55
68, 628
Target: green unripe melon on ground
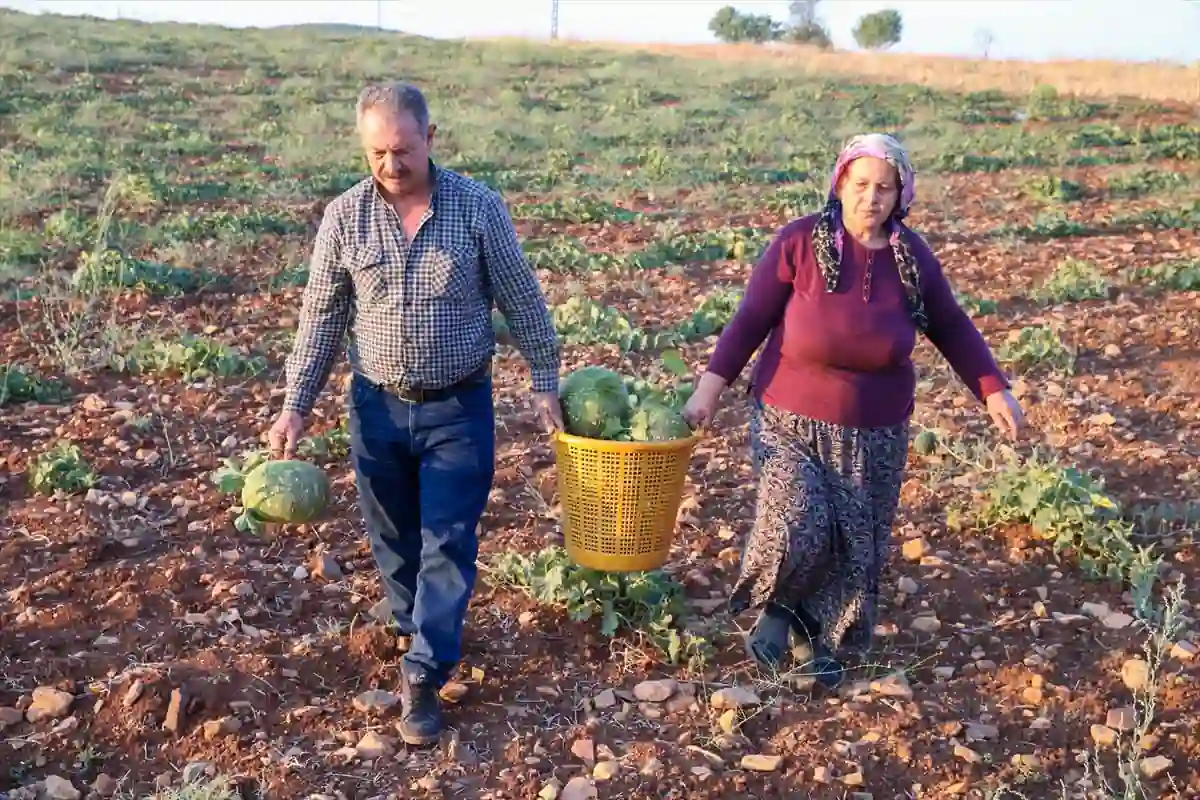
925, 443
286, 491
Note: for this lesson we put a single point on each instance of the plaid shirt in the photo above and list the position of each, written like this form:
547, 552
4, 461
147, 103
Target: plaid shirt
419, 313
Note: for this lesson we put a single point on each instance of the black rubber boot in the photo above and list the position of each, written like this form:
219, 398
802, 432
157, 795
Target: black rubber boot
827, 669
768, 641
421, 710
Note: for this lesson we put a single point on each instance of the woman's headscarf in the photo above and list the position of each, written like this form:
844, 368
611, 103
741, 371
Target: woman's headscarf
829, 235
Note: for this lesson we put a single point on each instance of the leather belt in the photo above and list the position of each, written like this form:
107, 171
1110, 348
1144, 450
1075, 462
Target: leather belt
419, 395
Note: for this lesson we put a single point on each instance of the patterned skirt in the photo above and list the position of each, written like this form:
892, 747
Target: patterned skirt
827, 497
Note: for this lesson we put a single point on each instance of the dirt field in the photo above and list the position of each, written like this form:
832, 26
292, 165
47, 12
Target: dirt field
159, 189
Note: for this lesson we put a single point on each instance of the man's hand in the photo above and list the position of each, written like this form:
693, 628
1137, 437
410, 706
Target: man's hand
549, 411
285, 434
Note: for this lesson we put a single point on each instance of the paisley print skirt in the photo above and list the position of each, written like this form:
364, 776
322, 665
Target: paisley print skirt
827, 496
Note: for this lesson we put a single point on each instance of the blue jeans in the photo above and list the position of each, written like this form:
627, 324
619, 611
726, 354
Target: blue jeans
424, 474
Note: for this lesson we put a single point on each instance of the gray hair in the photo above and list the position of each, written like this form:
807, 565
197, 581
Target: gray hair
396, 97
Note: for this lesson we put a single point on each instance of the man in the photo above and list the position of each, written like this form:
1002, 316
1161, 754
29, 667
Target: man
408, 262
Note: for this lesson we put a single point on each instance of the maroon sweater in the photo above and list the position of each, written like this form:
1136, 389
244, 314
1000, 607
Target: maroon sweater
837, 357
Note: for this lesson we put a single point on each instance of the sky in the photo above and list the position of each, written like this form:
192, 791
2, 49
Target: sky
1147, 30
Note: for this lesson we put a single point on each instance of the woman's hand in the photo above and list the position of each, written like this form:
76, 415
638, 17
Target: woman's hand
1006, 413
702, 405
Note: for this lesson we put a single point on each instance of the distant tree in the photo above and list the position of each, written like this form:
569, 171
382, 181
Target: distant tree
730, 25
879, 30
803, 25
802, 12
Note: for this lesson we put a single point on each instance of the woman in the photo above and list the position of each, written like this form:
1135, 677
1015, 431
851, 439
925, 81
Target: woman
839, 297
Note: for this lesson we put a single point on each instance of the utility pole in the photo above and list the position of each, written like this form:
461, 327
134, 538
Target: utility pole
379, 14
553, 19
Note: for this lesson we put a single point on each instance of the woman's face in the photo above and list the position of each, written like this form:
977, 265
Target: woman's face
869, 191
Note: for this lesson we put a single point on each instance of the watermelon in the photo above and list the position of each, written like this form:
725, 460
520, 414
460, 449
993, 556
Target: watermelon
925, 443
286, 491
595, 403
654, 421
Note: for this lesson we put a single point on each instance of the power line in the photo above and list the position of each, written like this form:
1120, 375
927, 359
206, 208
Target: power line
553, 19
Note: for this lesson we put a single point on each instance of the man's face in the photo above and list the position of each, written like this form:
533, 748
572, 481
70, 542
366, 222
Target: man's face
397, 150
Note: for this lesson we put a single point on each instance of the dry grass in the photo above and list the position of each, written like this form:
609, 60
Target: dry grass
1161, 81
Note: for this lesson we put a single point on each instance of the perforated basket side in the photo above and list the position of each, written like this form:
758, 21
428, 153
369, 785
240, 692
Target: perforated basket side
620, 505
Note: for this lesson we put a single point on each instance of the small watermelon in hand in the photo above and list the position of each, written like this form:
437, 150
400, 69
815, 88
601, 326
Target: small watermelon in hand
286, 491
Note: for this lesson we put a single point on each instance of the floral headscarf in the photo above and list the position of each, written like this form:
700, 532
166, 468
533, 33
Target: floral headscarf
829, 235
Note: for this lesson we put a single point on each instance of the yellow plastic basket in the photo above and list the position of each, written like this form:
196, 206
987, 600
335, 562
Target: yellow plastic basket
620, 499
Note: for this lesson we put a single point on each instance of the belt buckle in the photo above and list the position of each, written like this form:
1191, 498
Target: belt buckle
397, 390
411, 395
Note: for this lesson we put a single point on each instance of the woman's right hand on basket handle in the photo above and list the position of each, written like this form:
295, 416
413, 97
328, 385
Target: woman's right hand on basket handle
702, 405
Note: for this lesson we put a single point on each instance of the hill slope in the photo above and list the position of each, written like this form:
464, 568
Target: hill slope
183, 169
1160, 81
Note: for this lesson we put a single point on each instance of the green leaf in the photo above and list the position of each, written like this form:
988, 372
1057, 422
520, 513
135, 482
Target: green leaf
673, 361
674, 645
229, 481
1043, 520
249, 522
610, 622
